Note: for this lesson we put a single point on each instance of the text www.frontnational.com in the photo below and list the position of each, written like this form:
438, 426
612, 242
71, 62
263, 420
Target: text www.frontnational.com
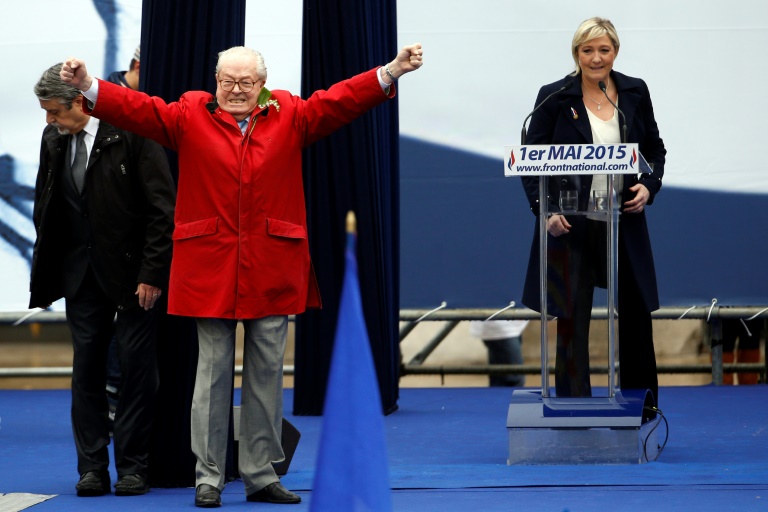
603, 167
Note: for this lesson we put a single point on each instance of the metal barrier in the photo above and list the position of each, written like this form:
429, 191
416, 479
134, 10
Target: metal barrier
410, 318
712, 313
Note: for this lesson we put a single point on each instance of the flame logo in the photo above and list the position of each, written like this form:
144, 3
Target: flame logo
511, 161
633, 160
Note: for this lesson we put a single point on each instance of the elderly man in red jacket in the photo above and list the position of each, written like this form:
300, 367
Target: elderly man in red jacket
240, 242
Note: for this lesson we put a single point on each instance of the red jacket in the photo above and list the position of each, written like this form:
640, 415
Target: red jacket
240, 241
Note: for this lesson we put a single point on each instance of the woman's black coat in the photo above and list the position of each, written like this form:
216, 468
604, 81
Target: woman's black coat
555, 123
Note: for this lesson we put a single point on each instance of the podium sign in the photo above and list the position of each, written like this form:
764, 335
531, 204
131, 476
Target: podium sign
593, 429
549, 159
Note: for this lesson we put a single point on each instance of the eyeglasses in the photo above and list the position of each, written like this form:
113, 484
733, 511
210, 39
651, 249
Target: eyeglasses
229, 85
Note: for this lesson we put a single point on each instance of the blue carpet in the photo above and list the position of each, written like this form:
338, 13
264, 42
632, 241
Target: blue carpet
447, 451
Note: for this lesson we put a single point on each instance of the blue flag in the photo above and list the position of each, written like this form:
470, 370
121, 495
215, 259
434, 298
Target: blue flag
352, 472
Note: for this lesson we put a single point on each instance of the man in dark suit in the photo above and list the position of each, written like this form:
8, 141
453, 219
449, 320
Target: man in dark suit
103, 213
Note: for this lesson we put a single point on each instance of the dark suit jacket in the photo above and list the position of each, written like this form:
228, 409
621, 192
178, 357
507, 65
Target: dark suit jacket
126, 209
554, 123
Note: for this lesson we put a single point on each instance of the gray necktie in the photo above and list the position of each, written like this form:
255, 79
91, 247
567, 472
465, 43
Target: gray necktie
81, 160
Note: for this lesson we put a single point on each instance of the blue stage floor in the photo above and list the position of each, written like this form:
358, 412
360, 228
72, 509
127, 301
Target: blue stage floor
447, 451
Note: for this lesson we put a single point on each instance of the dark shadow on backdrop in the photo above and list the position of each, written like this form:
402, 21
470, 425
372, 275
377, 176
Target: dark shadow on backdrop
466, 229
108, 10
18, 196
180, 41
356, 169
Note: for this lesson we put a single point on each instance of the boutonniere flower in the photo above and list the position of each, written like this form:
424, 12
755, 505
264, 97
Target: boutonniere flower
265, 99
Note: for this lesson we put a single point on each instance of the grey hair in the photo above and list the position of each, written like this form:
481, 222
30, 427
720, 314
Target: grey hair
242, 51
50, 86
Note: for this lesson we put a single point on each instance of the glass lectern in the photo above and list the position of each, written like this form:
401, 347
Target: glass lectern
607, 425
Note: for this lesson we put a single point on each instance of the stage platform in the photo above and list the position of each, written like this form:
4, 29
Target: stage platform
447, 452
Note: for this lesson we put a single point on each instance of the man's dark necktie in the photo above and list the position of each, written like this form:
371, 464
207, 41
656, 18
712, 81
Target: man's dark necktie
81, 160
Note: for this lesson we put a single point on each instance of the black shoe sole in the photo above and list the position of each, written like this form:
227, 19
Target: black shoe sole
208, 504
131, 492
254, 499
91, 493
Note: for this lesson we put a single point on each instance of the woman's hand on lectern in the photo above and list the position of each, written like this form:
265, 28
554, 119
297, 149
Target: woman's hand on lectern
557, 225
636, 204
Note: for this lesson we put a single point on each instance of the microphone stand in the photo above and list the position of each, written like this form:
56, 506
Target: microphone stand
603, 88
523, 133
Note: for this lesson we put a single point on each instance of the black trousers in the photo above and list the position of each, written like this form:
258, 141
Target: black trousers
637, 358
91, 318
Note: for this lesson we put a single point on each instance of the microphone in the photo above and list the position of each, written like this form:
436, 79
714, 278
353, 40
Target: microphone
523, 133
603, 88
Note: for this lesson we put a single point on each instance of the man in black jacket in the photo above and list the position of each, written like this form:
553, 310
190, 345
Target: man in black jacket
103, 215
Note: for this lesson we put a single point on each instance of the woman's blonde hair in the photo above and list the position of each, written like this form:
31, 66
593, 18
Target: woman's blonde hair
589, 30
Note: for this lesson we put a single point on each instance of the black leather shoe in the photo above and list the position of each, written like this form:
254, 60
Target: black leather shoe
207, 496
131, 485
274, 493
93, 483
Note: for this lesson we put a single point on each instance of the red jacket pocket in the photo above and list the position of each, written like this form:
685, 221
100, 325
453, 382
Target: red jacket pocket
196, 228
285, 229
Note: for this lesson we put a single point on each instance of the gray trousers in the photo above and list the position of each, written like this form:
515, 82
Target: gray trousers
261, 411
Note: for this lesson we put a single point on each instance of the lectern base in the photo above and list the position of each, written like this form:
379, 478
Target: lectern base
593, 430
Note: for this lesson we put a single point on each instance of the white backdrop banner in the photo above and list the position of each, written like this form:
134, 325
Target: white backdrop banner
702, 60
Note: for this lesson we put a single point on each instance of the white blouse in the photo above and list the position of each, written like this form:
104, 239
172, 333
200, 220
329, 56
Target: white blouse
605, 132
